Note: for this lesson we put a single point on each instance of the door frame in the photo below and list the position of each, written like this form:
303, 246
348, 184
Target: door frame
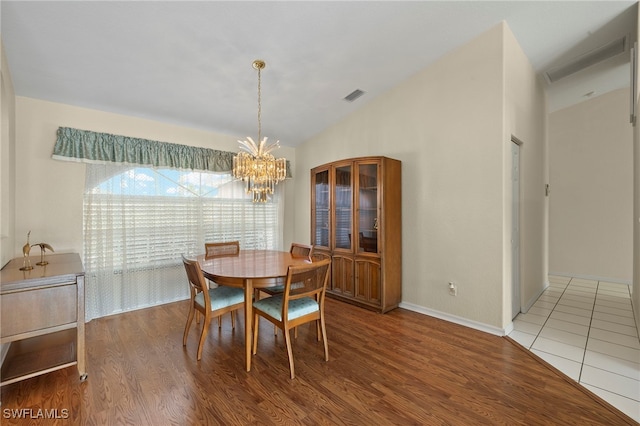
515, 232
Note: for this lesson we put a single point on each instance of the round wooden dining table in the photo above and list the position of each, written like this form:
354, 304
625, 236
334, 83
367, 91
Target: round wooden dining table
250, 270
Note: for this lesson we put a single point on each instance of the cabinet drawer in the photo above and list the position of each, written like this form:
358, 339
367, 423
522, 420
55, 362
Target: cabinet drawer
36, 309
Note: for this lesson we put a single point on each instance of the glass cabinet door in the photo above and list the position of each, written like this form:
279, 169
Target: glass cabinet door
321, 217
343, 207
367, 208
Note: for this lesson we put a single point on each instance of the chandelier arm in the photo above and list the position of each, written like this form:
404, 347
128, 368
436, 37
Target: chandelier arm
250, 146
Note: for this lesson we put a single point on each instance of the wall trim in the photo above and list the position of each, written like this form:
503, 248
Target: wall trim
456, 319
592, 277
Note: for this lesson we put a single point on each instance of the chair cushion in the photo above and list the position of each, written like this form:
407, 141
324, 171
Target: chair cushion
280, 288
222, 297
272, 306
273, 290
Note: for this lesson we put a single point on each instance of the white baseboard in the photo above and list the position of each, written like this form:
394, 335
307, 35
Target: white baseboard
592, 277
455, 319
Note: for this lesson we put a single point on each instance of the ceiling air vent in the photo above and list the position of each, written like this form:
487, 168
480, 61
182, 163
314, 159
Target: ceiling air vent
353, 95
599, 54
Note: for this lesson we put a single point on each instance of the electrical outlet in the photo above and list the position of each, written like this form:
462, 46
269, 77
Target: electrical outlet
453, 288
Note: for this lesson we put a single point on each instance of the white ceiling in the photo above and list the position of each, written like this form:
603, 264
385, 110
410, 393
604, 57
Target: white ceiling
189, 63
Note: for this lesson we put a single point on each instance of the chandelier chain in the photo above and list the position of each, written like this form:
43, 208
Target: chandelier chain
259, 106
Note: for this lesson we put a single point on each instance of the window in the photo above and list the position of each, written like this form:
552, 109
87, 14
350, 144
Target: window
139, 220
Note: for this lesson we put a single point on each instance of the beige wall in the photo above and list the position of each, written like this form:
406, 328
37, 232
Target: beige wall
446, 126
7, 169
591, 174
49, 196
7, 161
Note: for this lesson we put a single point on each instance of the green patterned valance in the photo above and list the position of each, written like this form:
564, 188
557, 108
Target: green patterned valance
93, 147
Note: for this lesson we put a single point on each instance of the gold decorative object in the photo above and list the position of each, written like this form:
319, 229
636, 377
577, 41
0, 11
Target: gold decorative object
43, 247
255, 164
26, 263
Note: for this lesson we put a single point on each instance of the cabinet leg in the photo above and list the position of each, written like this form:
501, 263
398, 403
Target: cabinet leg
83, 377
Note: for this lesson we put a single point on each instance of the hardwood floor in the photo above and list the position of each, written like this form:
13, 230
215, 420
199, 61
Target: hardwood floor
398, 368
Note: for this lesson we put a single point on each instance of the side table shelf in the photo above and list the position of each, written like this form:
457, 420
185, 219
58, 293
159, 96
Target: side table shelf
42, 317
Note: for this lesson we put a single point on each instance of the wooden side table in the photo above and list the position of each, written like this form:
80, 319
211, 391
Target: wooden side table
42, 317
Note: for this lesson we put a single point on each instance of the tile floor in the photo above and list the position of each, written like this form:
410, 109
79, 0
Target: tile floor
586, 329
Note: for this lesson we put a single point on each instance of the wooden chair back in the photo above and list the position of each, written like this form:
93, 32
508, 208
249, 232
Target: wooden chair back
229, 248
310, 281
317, 256
301, 251
197, 283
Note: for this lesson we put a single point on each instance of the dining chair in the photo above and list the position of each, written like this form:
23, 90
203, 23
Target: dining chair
219, 249
299, 251
296, 306
209, 302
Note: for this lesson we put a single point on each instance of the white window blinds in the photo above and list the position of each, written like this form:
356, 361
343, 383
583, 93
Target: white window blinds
138, 221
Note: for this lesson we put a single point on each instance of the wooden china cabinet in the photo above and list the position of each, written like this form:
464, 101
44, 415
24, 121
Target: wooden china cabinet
356, 218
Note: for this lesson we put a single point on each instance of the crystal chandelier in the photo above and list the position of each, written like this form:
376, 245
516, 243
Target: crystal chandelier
255, 164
